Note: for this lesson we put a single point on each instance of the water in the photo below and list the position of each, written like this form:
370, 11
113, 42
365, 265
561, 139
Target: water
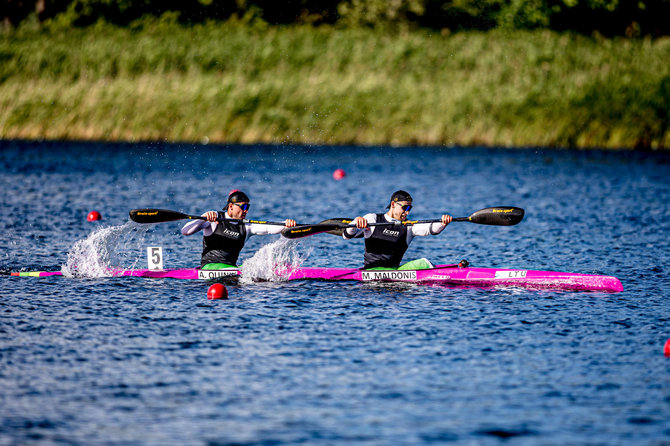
100, 360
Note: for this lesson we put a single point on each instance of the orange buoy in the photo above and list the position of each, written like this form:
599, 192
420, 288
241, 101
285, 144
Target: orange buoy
339, 174
666, 350
94, 216
217, 291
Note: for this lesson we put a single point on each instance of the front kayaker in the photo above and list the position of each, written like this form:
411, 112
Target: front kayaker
385, 246
223, 240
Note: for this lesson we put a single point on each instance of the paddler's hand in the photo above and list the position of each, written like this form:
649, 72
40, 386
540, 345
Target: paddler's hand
289, 223
360, 222
211, 216
446, 219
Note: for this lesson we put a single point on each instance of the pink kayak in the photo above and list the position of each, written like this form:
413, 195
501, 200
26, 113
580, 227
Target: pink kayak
440, 274
186, 273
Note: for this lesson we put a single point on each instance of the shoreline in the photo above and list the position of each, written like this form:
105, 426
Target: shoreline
307, 146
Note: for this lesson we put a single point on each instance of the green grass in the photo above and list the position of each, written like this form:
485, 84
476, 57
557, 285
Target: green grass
227, 83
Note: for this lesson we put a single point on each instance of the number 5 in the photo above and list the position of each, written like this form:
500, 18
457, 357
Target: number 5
155, 257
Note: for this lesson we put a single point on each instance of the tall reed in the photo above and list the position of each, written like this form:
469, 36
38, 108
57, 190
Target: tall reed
229, 83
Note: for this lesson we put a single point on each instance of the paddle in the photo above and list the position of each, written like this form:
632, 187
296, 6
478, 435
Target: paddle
164, 215
340, 230
495, 216
333, 226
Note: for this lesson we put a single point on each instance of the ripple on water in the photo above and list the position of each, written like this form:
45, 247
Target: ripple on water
99, 360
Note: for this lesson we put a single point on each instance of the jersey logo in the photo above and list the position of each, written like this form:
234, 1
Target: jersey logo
231, 234
391, 233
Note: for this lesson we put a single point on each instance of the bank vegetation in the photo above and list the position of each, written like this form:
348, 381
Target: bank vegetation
250, 82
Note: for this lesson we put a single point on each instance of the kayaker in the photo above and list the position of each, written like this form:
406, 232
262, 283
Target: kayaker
386, 245
223, 240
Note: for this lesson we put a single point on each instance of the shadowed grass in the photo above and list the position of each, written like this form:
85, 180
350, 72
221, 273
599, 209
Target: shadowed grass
305, 85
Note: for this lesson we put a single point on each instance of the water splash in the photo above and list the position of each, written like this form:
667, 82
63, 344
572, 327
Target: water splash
272, 260
104, 251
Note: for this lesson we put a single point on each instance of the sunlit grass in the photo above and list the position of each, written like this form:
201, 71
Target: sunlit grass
305, 85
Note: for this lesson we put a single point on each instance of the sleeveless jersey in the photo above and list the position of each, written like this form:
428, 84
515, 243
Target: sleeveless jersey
225, 243
386, 245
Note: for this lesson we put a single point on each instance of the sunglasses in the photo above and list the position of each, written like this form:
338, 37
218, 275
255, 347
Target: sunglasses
243, 206
405, 207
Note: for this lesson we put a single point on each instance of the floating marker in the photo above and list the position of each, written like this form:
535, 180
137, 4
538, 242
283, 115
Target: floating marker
94, 216
666, 350
217, 291
339, 174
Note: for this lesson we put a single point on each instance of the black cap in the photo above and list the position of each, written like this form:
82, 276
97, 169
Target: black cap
400, 195
237, 196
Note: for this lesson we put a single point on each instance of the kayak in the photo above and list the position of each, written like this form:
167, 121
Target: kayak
186, 273
453, 275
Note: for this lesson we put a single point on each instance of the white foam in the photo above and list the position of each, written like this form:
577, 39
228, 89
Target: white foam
103, 251
269, 261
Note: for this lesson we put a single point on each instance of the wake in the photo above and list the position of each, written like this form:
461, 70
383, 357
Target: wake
114, 248
105, 250
271, 260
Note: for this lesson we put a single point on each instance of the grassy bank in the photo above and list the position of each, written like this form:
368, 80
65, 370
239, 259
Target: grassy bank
228, 83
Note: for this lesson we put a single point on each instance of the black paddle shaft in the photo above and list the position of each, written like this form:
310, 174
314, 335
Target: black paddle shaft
165, 215
495, 216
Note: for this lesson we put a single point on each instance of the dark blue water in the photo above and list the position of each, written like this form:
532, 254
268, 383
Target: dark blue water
99, 360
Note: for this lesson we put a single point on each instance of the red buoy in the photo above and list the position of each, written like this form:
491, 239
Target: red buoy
217, 291
94, 216
666, 350
339, 174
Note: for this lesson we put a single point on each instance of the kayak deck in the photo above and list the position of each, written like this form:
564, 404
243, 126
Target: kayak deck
469, 276
441, 274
